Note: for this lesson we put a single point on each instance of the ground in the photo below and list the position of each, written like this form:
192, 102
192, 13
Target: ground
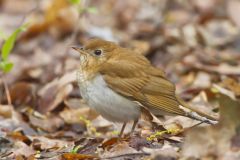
42, 114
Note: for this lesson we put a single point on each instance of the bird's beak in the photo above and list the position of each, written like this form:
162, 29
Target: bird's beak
80, 50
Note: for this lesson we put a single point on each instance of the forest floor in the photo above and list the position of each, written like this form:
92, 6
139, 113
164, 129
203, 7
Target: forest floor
42, 115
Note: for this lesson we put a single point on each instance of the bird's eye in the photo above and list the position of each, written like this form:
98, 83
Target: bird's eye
97, 52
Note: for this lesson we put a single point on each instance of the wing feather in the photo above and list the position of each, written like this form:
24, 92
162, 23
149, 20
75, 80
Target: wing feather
159, 85
141, 82
163, 103
128, 87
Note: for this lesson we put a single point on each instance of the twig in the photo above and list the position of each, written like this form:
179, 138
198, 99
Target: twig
1, 74
5, 155
28, 12
1, 90
84, 3
127, 155
7, 92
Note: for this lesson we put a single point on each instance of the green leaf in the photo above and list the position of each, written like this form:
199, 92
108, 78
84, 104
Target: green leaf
10, 41
92, 10
6, 66
75, 1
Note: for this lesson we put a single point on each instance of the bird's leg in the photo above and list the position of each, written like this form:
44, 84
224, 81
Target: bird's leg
134, 125
122, 130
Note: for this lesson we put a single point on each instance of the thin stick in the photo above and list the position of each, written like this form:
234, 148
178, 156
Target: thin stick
127, 155
70, 40
7, 92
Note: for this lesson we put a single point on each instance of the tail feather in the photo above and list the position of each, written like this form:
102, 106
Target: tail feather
196, 114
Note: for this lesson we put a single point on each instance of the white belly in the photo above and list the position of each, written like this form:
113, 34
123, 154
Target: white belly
108, 103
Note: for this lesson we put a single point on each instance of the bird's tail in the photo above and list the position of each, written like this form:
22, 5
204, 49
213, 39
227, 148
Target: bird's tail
196, 114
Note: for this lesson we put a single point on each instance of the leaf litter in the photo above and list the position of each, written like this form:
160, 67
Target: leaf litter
196, 43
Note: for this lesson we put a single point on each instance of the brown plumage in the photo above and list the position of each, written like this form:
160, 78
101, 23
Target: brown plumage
132, 76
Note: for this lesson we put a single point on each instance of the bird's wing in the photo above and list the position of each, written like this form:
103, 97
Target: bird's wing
141, 82
126, 78
150, 94
160, 95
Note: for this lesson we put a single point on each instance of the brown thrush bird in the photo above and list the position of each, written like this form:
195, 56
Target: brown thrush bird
117, 82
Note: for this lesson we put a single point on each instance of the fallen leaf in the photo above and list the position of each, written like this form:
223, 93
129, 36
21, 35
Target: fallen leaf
71, 116
120, 149
19, 136
164, 153
223, 68
202, 80
20, 148
5, 146
55, 19
77, 109
233, 6
218, 139
55, 92
49, 123
76, 156
218, 32
108, 143
22, 94
44, 143
89, 146
6, 111
205, 6
138, 143
232, 85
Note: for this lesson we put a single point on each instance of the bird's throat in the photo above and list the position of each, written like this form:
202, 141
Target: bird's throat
84, 75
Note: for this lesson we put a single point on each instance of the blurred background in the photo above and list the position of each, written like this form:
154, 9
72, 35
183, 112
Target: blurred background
196, 42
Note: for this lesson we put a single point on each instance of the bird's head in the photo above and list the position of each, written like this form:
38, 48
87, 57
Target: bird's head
95, 53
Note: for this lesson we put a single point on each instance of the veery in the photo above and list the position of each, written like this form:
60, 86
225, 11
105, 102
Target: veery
117, 82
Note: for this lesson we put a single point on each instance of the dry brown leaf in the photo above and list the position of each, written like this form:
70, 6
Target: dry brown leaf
165, 152
178, 16
218, 32
72, 116
137, 142
121, 149
52, 94
232, 85
217, 141
56, 20
190, 35
22, 93
20, 148
6, 111
89, 145
44, 143
108, 143
19, 136
76, 156
74, 103
233, 7
49, 123
16, 7
222, 68
204, 6
202, 80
